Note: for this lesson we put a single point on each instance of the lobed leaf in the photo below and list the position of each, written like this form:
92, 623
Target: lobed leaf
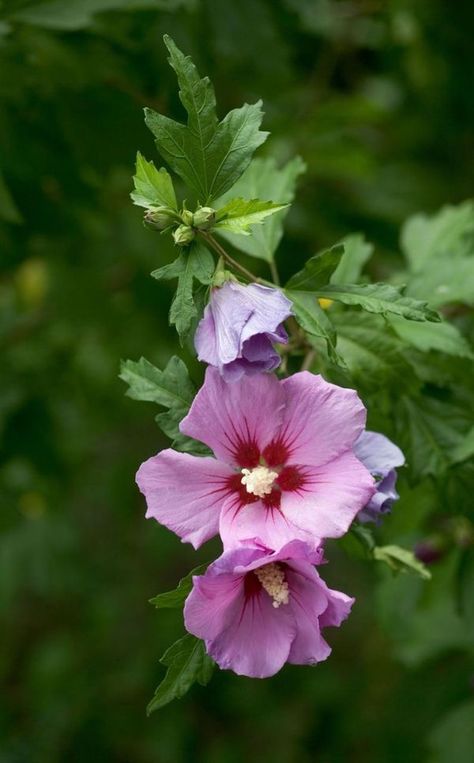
153, 188
171, 388
401, 560
379, 298
373, 354
264, 180
442, 337
239, 214
194, 263
317, 270
447, 234
431, 430
176, 598
357, 251
315, 321
209, 156
187, 663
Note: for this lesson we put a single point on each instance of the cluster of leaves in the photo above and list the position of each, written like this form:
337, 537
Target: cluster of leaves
375, 336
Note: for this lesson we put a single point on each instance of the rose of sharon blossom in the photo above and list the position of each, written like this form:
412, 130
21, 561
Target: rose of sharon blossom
239, 327
380, 456
284, 467
257, 609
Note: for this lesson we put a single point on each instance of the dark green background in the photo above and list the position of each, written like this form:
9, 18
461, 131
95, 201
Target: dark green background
377, 97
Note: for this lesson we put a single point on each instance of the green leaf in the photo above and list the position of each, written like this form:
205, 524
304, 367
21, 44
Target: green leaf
314, 321
372, 353
440, 252
264, 180
317, 270
444, 280
153, 188
447, 234
208, 155
379, 298
401, 560
358, 543
196, 262
171, 388
464, 449
239, 214
357, 251
175, 599
187, 663
430, 430
442, 337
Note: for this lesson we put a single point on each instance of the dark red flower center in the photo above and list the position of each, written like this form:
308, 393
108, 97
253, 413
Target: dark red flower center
274, 456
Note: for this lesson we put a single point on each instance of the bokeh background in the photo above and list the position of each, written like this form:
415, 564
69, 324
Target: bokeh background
377, 97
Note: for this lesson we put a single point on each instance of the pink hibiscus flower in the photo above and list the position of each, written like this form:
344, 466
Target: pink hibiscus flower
257, 609
283, 468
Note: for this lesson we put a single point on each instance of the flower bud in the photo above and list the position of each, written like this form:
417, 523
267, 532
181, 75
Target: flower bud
159, 218
187, 217
183, 235
204, 218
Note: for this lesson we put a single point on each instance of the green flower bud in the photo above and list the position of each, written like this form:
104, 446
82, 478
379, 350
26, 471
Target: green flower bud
204, 218
187, 217
183, 235
221, 276
159, 218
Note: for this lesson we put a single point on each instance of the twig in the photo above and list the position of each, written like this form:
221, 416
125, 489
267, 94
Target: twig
236, 265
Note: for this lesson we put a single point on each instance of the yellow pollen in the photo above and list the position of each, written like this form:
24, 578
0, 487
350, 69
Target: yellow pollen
259, 480
272, 579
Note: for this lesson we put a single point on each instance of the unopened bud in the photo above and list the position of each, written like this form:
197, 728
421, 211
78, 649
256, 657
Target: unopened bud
183, 235
159, 218
187, 217
204, 218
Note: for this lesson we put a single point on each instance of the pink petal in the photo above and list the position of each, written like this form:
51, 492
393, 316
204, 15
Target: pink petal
320, 420
258, 642
214, 603
330, 499
185, 493
256, 522
232, 418
338, 609
310, 600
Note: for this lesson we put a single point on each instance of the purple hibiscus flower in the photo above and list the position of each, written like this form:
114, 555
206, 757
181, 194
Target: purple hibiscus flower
284, 466
257, 609
380, 456
239, 327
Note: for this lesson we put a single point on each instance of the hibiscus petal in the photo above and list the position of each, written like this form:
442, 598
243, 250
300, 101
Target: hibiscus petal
314, 606
258, 642
185, 493
331, 497
338, 609
321, 420
269, 308
378, 453
218, 335
256, 522
232, 417
214, 603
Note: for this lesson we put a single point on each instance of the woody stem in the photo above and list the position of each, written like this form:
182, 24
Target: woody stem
214, 244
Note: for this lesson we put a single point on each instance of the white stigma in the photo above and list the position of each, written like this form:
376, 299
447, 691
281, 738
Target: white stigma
259, 480
272, 579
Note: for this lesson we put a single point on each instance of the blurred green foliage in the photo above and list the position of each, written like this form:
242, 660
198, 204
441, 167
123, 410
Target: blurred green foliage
376, 98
